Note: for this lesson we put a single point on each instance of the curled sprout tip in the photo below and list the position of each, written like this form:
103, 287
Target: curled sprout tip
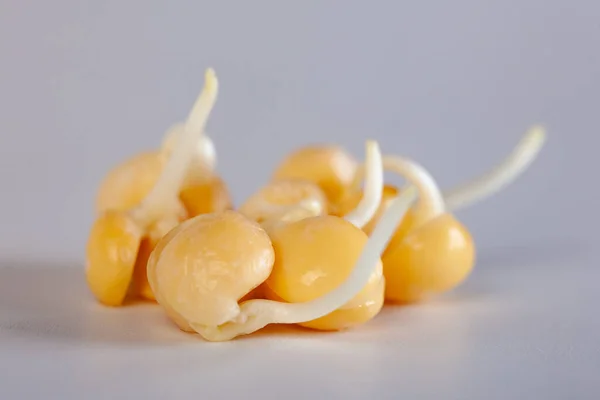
255, 314
196, 120
500, 176
371, 199
166, 190
536, 132
431, 201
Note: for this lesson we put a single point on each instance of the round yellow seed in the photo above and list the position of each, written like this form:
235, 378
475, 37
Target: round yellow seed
315, 255
111, 253
203, 269
330, 167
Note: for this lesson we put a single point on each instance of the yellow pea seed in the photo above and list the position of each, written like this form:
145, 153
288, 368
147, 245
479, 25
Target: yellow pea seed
111, 252
201, 271
126, 185
430, 252
315, 255
151, 276
431, 259
206, 197
139, 284
129, 183
330, 167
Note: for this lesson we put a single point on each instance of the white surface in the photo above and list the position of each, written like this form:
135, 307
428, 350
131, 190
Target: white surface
524, 326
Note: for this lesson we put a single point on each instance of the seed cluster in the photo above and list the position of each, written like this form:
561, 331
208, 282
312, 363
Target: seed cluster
324, 244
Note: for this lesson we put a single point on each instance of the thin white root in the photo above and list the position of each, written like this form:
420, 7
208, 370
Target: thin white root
256, 314
164, 194
501, 176
369, 204
431, 203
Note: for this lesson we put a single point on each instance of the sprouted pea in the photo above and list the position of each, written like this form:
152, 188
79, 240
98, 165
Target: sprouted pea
117, 236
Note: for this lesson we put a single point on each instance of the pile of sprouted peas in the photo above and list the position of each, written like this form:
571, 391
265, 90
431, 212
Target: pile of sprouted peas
324, 244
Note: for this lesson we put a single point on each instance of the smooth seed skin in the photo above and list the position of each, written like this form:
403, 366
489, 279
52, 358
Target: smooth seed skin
330, 167
372, 300
409, 222
208, 265
152, 281
140, 287
111, 254
287, 192
434, 258
206, 197
350, 201
126, 185
314, 256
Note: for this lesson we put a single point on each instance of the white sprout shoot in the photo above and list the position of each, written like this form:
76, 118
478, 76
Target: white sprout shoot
165, 193
371, 199
431, 203
502, 175
256, 314
205, 155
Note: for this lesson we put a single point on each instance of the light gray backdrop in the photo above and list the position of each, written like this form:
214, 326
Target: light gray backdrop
453, 84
